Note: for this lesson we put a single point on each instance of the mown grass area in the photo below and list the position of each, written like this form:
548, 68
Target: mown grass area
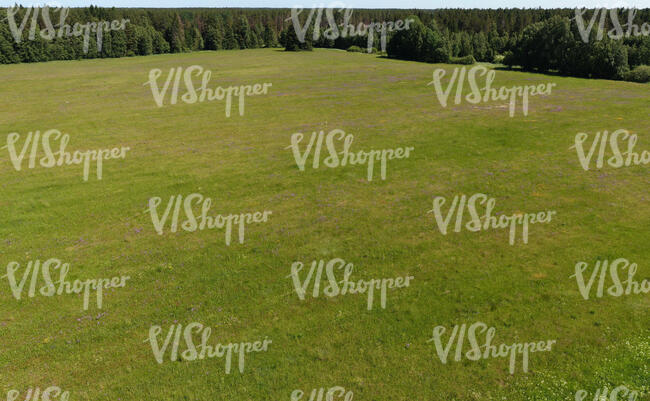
102, 228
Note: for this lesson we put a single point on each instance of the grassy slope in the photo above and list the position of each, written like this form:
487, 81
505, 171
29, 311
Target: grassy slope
381, 226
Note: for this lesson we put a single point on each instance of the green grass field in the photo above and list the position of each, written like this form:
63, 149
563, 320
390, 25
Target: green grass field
243, 292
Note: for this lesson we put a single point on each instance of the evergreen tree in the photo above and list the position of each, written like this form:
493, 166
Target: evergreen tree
269, 37
293, 44
31, 51
242, 33
638, 50
90, 51
131, 33
158, 42
193, 39
177, 35
144, 42
255, 41
118, 39
479, 48
213, 34
8, 53
283, 37
258, 32
465, 47
229, 40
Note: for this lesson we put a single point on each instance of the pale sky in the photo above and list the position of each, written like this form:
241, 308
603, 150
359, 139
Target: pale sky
422, 4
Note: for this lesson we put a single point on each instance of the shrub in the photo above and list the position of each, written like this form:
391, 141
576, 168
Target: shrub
467, 60
498, 59
440, 55
355, 49
639, 74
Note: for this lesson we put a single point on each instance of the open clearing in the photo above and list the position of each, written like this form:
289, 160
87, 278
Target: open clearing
102, 228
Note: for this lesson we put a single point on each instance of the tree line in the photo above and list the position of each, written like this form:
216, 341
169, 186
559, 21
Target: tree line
535, 39
539, 40
555, 44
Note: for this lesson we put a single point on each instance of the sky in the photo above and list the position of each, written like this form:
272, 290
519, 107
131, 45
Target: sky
423, 4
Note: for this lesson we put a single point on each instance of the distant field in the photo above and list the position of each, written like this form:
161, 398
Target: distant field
102, 228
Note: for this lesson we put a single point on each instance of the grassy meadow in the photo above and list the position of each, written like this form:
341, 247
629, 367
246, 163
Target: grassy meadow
243, 292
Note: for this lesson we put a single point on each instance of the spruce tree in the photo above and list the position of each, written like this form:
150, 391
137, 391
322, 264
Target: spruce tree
229, 40
177, 35
213, 34
269, 37
118, 44
8, 53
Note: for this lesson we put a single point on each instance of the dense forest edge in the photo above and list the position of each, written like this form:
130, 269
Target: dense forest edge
542, 40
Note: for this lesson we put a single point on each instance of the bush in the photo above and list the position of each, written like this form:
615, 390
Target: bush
440, 55
498, 59
639, 74
467, 60
359, 49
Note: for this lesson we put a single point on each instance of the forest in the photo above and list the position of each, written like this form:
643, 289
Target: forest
532, 39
